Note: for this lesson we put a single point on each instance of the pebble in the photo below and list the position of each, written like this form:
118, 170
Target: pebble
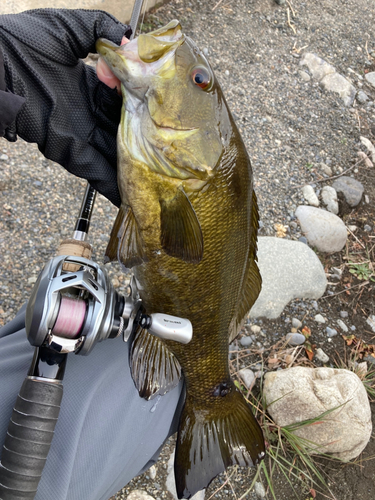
370, 77
344, 314
366, 159
361, 97
321, 355
255, 329
331, 332
139, 495
319, 318
334, 82
152, 471
4, 157
246, 341
305, 76
353, 228
295, 339
323, 230
258, 487
317, 66
370, 359
337, 272
248, 377
350, 188
371, 322
342, 325
367, 228
329, 197
303, 239
326, 169
369, 145
310, 196
367, 199
296, 323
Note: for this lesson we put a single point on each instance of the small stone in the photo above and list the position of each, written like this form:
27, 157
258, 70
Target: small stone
367, 228
331, 332
326, 169
310, 196
370, 359
296, 323
329, 197
255, 329
370, 77
337, 272
321, 355
353, 228
366, 159
303, 239
323, 230
295, 339
317, 66
246, 341
247, 376
369, 145
304, 76
319, 318
361, 369
350, 188
337, 83
205, 51
367, 199
353, 328
139, 495
4, 157
152, 471
258, 487
226, 72
342, 325
344, 314
361, 97
371, 322
32, 280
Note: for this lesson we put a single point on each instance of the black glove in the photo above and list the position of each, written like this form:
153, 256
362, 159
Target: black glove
69, 113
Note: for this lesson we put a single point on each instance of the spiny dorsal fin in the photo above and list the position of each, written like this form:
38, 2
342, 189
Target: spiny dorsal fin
125, 243
155, 370
253, 280
181, 233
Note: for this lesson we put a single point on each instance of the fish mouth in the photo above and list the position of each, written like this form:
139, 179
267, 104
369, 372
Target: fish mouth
169, 128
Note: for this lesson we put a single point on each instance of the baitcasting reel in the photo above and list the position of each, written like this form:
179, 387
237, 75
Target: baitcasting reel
73, 306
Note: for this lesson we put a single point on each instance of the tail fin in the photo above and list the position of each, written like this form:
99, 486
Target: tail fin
211, 439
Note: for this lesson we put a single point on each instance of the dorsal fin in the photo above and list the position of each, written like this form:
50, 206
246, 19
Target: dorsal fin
253, 280
155, 370
181, 233
125, 243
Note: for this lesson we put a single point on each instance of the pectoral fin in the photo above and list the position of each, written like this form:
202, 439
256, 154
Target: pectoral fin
125, 244
181, 233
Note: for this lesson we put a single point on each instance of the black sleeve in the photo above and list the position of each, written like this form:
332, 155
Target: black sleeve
10, 103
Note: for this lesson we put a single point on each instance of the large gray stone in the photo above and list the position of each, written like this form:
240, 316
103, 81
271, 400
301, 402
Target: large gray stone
317, 66
289, 270
301, 393
323, 230
350, 188
337, 83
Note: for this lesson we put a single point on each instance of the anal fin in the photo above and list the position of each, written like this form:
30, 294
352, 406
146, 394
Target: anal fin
181, 233
125, 244
155, 370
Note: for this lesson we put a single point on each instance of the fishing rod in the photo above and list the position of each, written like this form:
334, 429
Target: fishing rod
72, 307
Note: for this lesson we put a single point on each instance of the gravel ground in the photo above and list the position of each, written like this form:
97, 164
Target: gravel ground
289, 126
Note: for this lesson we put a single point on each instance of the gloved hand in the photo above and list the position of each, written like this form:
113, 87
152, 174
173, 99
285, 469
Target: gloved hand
69, 113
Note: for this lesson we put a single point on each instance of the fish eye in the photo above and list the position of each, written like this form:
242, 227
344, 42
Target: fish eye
201, 77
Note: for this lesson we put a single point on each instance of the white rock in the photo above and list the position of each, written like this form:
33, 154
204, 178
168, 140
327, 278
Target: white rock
152, 471
139, 495
319, 318
342, 325
341, 86
297, 394
329, 197
317, 66
4, 157
326, 169
289, 270
321, 355
323, 230
259, 490
248, 377
304, 76
296, 323
366, 159
255, 329
371, 322
171, 483
310, 196
369, 145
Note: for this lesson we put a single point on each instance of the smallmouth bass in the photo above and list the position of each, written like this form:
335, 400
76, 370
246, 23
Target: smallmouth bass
187, 227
